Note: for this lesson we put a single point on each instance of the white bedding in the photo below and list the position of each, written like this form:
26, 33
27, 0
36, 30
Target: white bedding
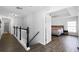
57, 31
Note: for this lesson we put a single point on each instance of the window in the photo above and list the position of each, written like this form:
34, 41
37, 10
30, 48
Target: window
71, 26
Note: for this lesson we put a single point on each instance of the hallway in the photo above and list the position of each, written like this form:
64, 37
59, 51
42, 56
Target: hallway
9, 44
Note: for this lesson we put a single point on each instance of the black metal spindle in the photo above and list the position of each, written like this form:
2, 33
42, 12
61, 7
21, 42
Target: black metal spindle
17, 30
28, 44
20, 32
14, 30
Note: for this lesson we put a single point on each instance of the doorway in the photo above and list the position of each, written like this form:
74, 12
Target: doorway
6, 27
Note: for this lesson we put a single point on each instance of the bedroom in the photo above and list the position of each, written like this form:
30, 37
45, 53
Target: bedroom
64, 29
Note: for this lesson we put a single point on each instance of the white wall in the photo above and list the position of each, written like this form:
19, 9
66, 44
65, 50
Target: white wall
16, 21
29, 21
36, 22
1, 29
78, 25
47, 29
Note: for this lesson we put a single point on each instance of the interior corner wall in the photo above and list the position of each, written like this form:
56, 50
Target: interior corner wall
36, 22
16, 21
29, 21
47, 29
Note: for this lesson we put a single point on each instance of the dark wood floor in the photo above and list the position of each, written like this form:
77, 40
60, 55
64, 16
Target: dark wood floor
58, 44
9, 44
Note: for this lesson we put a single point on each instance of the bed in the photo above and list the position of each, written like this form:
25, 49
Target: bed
57, 30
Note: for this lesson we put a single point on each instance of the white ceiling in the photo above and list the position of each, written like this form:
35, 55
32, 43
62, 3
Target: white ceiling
71, 11
25, 11
9, 10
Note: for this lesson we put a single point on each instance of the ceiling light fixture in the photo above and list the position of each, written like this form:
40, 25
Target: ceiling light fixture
12, 14
19, 7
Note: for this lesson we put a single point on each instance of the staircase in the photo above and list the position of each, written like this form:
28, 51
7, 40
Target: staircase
27, 41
